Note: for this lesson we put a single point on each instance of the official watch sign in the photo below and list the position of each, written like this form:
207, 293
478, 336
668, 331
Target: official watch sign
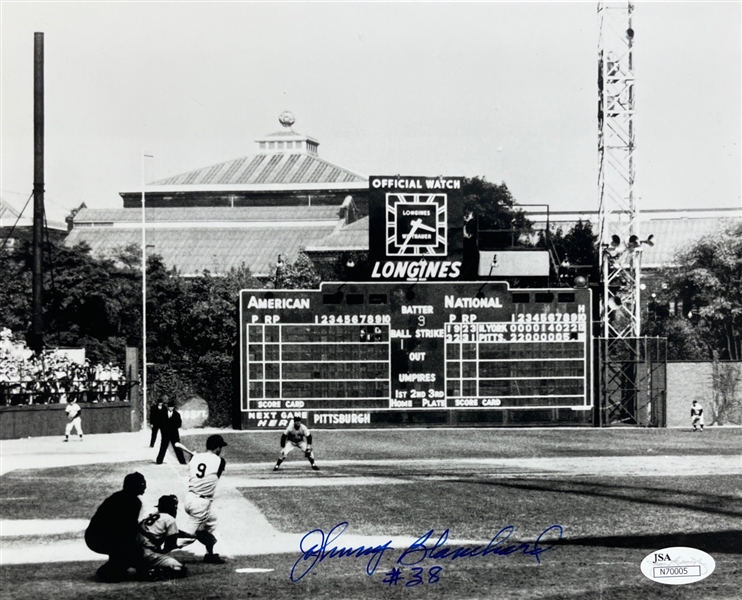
415, 228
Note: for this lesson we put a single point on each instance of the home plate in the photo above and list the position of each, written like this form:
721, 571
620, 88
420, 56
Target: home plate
253, 570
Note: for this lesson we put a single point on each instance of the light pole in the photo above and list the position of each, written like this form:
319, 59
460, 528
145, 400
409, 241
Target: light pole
144, 302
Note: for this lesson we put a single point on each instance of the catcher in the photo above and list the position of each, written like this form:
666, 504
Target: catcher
298, 436
158, 535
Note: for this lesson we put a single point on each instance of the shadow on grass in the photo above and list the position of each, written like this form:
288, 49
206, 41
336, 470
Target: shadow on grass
713, 504
727, 542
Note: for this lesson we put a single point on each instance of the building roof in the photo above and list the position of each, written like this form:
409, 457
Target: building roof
207, 214
284, 158
12, 217
280, 168
347, 237
192, 250
8, 214
674, 235
672, 229
194, 239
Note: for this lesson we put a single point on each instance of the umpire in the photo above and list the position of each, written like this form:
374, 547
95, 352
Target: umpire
113, 529
157, 417
170, 434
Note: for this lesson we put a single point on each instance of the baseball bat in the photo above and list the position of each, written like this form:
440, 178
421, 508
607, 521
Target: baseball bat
182, 447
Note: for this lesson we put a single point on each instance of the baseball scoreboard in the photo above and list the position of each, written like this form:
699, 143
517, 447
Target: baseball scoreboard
385, 353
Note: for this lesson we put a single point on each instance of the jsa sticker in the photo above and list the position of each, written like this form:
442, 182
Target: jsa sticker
678, 566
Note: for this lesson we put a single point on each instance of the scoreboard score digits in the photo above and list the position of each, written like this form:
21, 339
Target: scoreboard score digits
383, 352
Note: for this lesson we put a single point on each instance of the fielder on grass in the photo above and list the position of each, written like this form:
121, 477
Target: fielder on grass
297, 435
74, 420
205, 469
696, 415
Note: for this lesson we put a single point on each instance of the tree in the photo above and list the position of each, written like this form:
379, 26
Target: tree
87, 300
299, 275
15, 294
726, 402
707, 278
491, 222
576, 251
95, 303
493, 205
192, 334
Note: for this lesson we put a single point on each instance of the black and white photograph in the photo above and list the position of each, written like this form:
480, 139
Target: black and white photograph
370, 300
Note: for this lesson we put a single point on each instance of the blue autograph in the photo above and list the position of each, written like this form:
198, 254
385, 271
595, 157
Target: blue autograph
316, 547
318, 551
418, 551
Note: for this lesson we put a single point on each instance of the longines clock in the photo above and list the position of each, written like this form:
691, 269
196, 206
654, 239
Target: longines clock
416, 225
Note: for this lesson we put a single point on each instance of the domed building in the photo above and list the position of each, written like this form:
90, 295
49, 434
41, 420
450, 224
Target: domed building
245, 211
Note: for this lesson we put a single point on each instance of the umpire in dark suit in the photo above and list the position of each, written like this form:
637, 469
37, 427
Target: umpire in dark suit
170, 434
113, 529
157, 417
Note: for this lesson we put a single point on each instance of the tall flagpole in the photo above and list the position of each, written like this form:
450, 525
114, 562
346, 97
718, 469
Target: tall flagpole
37, 324
144, 302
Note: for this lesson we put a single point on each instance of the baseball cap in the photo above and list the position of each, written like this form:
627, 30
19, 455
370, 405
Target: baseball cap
167, 502
215, 441
297, 419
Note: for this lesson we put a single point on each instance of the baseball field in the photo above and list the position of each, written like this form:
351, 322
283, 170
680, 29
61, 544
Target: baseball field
485, 513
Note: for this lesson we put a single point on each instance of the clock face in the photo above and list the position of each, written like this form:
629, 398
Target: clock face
416, 225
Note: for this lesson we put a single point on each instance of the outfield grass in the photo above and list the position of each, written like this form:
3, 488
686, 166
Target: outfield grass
476, 507
245, 447
610, 522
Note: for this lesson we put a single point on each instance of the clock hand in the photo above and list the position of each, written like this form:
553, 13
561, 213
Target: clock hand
428, 227
415, 224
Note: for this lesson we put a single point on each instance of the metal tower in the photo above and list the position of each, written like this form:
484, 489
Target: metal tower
620, 246
631, 377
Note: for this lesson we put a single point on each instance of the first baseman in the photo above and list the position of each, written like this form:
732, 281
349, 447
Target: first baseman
205, 469
297, 435
74, 420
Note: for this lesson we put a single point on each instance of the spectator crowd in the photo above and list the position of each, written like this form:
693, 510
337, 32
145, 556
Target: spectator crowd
54, 377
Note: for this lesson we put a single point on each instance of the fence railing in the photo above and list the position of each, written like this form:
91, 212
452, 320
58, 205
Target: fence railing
34, 392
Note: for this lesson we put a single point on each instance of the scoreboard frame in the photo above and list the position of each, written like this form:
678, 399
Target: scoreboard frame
366, 354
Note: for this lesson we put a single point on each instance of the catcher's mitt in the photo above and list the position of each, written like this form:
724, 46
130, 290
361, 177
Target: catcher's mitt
308, 452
